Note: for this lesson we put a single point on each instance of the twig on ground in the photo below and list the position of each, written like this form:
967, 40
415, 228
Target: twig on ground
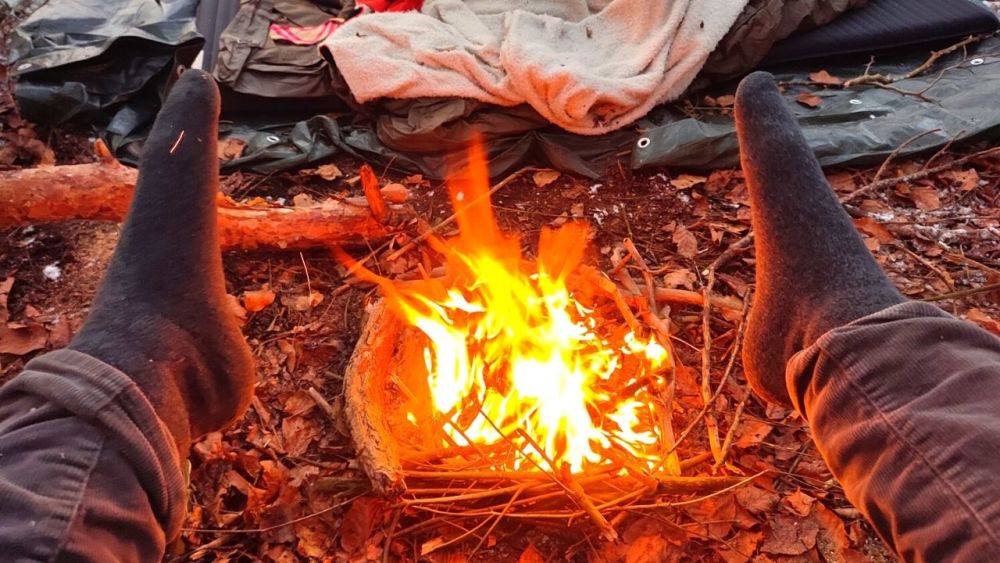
276, 526
727, 444
889, 182
964, 293
882, 79
323, 404
706, 352
895, 152
944, 275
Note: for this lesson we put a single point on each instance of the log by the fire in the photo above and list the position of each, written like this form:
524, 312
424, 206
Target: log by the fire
365, 399
103, 191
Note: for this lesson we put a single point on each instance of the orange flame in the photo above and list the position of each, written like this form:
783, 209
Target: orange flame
512, 355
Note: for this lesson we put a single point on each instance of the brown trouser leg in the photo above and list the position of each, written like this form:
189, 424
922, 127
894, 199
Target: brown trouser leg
904, 406
87, 470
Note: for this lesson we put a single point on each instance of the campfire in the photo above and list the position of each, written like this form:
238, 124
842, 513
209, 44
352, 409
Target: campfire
509, 387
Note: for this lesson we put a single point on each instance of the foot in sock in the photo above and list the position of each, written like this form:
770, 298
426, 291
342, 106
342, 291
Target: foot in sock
814, 273
160, 315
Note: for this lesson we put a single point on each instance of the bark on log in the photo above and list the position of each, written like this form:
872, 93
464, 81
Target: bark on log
364, 400
103, 191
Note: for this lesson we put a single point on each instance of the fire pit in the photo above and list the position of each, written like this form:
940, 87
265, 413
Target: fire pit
514, 388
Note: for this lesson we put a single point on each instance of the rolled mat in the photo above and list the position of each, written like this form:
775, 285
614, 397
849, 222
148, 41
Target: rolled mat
887, 24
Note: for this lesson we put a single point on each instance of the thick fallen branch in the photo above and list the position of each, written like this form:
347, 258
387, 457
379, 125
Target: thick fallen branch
103, 190
364, 400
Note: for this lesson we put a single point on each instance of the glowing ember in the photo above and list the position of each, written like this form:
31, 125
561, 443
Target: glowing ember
513, 354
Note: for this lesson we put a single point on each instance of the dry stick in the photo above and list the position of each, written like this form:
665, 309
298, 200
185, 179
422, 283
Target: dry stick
735, 485
942, 150
667, 398
392, 532
694, 298
962, 259
276, 526
725, 376
573, 490
895, 152
323, 404
580, 496
496, 523
889, 182
964, 293
712, 425
646, 275
727, 444
945, 276
867, 78
460, 537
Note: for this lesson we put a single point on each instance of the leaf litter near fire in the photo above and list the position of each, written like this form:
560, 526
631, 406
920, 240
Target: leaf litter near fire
281, 475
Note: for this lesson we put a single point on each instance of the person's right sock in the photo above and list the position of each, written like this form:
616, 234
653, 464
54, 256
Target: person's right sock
814, 272
161, 315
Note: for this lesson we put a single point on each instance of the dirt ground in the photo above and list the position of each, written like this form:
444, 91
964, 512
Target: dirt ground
271, 488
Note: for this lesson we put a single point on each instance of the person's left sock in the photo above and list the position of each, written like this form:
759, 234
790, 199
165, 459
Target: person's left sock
161, 313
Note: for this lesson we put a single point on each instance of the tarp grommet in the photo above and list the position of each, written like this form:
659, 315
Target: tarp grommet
643, 142
272, 138
977, 61
855, 102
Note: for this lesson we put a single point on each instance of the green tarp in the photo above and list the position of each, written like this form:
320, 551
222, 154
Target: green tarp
92, 61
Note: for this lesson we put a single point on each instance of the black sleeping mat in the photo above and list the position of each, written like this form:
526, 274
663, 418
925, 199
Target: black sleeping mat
887, 24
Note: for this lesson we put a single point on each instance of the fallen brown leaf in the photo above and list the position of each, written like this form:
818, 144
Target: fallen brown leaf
756, 499
741, 548
649, 549
833, 542
680, 278
257, 300
809, 100
871, 227
298, 432
687, 244
751, 432
396, 193
685, 181
714, 516
799, 503
824, 77
925, 198
358, 524
967, 180
417, 180
530, 555
328, 172
231, 148
22, 338
982, 319
298, 403
543, 178
302, 302
842, 182
790, 536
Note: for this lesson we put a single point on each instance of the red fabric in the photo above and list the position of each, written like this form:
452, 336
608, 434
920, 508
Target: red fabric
391, 5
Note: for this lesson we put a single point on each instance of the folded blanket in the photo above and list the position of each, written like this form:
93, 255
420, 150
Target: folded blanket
588, 66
